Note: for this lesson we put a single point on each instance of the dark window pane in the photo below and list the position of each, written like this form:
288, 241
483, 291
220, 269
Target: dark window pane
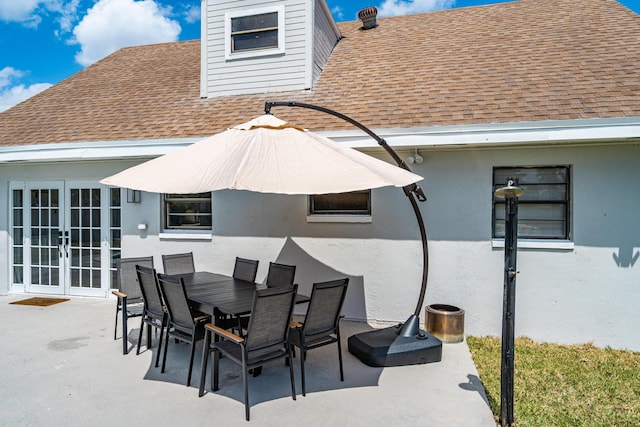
353, 203
17, 198
254, 22
251, 41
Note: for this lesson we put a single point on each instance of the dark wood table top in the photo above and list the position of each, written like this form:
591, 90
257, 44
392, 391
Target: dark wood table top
211, 292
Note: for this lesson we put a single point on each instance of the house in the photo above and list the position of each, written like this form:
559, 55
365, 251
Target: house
537, 90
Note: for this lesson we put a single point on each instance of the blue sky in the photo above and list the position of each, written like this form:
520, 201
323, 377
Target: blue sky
45, 41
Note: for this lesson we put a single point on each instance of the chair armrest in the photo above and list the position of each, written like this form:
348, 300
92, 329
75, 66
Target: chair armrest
293, 324
224, 333
119, 294
202, 318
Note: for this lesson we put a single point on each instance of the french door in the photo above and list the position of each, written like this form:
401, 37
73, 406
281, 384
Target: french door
65, 237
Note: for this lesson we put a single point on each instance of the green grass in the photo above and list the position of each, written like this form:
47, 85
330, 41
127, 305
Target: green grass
559, 385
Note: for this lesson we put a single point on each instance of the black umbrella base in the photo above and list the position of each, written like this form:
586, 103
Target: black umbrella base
385, 347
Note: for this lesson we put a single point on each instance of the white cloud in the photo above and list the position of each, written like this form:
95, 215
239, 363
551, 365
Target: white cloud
337, 12
12, 95
400, 7
112, 24
17, 10
192, 14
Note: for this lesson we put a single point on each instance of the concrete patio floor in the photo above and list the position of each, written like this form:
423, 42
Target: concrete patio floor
61, 366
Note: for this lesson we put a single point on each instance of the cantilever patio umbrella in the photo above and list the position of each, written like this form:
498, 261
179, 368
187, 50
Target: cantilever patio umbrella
266, 155
269, 155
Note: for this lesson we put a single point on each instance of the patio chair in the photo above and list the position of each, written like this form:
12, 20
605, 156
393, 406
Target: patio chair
155, 313
184, 324
267, 339
178, 263
321, 325
280, 275
129, 295
245, 269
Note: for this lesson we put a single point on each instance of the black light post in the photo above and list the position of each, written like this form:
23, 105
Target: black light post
510, 193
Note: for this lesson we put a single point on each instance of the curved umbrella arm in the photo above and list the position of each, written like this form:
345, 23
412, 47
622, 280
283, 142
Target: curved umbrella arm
409, 190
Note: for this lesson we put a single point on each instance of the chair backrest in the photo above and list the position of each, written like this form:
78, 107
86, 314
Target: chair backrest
178, 263
245, 269
280, 275
150, 290
269, 324
128, 278
175, 296
325, 305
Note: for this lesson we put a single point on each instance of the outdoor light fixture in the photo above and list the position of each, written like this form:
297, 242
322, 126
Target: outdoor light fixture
133, 196
416, 158
404, 344
510, 193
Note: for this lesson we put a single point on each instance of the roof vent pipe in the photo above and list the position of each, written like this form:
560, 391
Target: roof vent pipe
368, 17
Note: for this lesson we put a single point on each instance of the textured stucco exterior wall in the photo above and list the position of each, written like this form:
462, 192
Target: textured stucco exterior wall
588, 293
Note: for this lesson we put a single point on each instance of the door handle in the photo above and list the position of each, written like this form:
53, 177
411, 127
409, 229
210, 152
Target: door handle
66, 244
60, 243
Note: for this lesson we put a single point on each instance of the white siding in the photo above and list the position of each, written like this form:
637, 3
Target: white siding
273, 73
324, 39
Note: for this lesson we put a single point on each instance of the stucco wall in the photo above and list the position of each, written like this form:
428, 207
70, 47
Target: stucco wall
588, 293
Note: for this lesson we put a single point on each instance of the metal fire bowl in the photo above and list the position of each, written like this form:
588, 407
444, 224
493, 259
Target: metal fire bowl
445, 322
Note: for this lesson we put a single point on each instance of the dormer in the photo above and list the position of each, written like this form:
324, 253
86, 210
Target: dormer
260, 46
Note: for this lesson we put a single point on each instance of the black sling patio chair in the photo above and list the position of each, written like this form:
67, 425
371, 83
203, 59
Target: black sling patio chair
245, 269
280, 275
129, 295
185, 324
267, 339
178, 263
321, 325
277, 276
155, 313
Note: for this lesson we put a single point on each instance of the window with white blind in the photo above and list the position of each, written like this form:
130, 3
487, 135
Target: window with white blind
254, 32
544, 208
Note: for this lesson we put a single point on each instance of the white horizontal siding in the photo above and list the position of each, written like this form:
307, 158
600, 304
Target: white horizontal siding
272, 73
324, 40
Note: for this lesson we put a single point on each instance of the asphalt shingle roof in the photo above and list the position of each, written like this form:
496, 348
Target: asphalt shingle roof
508, 62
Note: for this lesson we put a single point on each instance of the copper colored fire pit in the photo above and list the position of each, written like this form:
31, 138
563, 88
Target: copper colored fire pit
445, 322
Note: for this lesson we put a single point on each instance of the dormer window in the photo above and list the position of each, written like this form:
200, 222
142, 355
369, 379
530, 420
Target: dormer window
256, 32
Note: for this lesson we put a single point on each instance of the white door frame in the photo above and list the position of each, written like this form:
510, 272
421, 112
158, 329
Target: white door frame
80, 261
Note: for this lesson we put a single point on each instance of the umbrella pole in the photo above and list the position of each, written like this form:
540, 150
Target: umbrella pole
411, 327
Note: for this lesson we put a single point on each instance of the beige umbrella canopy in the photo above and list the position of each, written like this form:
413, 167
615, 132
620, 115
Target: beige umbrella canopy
266, 155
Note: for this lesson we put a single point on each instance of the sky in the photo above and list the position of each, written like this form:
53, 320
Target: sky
42, 42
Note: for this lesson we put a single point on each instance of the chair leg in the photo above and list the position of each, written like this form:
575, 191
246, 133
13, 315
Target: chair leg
293, 380
193, 352
160, 342
203, 364
340, 356
303, 353
115, 330
166, 344
245, 386
125, 338
140, 335
214, 370
148, 335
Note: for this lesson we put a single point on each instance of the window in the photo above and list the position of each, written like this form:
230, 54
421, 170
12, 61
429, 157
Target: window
543, 209
255, 32
352, 203
187, 211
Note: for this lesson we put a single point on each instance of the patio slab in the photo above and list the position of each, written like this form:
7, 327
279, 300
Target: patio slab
61, 366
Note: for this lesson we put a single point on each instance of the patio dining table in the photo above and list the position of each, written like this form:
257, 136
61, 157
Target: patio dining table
213, 292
